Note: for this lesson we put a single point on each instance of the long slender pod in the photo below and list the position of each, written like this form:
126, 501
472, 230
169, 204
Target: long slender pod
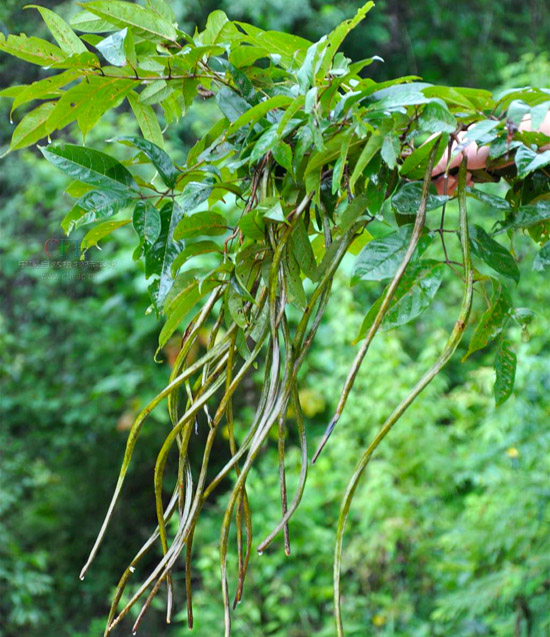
384, 306
133, 436
449, 349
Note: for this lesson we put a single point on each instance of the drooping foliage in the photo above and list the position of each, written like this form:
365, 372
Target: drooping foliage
309, 161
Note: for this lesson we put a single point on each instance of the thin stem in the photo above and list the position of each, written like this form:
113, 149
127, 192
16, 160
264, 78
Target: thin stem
416, 233
449, 349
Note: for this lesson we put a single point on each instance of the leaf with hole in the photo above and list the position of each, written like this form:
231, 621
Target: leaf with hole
505, 369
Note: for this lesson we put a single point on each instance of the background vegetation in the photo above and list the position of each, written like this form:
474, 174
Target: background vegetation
449, 532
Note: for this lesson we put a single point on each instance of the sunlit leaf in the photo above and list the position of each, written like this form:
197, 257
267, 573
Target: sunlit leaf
61, 31
99, 232
145, 22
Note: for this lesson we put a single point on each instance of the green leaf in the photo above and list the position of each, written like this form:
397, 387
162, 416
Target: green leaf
413, 296
493, 253
414, 166
290, 48
100, 232
89, 23
201, 223
339, 34
528, 160
147, 223
32, 127
163, 9
436, 118
483, 131
146, 119
33, 50
218, 29
532, 214
265, 143
391, 149
254, 114
492, 321
193, 250
282, 154
93, 205
354, 210
542, 260
252, 226
302, 250
340, 164
159, 158
235, 305
88, 101
145, 23
491, 200
90, 166
380, 258
160, 256
112, 48
43, 89
397, 96
406, 200
271, 209
295, 287
246, 55
231, 104
181, 305
505, 368
370, 149
156, 92
61, 31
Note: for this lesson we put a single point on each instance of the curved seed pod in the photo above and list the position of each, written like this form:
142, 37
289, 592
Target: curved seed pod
133, 436
303, 474
449, 349
185, 530
416, 233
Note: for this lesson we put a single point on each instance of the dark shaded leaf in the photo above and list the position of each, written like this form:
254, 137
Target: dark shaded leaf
493, 253
406, 200
146, 220
94, 205
90, 166
542, 260
528, 160
159, 158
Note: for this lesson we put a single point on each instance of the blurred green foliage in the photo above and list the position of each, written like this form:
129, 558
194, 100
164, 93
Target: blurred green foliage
449, 530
